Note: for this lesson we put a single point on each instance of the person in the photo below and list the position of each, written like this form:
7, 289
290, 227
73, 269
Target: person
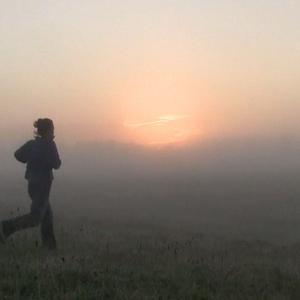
41, 156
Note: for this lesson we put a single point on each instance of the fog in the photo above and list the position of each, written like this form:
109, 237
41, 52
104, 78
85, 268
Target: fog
239, 188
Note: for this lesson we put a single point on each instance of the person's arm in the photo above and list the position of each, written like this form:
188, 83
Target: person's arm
55, 160
22, 154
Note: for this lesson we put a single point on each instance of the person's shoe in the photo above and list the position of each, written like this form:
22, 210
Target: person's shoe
2, 235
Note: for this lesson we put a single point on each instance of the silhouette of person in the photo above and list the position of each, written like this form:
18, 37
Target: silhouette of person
41, 157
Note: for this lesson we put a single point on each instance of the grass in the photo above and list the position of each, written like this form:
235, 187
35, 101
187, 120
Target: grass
140, 262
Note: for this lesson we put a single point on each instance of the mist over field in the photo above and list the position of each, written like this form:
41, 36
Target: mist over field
239, 188
177, 123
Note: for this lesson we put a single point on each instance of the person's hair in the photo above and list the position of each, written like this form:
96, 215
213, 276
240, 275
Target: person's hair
43, 126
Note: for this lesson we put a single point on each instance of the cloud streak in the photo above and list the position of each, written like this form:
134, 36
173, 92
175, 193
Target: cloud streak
160, 121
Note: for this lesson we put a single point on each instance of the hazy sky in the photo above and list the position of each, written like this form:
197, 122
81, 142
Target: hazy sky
150, 71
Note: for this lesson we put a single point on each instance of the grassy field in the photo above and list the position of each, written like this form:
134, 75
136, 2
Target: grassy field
106, 261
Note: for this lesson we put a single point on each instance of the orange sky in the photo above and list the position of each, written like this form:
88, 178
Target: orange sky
150, 72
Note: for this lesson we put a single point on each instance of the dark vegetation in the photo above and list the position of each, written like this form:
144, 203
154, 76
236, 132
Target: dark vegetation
125, 261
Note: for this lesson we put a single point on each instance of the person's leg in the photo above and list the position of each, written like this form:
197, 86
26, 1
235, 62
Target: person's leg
32, 219
47, 231
23, 222
2, 235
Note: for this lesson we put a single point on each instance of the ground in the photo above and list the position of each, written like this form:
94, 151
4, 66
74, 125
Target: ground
123, 261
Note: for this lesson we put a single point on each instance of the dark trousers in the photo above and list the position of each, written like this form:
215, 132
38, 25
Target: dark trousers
40, 214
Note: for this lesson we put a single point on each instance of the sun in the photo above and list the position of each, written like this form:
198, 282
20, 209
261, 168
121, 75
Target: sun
168, 129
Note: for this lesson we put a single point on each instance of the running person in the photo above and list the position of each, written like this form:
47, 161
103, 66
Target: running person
41, 157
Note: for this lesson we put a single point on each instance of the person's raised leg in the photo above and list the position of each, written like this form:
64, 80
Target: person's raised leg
19, 223
28, 220
2, 235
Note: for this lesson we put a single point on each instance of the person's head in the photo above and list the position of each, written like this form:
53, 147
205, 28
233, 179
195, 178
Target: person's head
44, 128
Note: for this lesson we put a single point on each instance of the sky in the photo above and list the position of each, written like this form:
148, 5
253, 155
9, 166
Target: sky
150, 72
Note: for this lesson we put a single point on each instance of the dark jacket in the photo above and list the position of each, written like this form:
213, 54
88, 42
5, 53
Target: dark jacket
41, 157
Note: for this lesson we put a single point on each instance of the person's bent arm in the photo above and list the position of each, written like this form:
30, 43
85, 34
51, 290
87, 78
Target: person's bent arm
22, 154
55, 159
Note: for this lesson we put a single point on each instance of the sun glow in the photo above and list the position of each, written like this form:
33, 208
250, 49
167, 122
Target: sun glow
163, 130
160, 102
